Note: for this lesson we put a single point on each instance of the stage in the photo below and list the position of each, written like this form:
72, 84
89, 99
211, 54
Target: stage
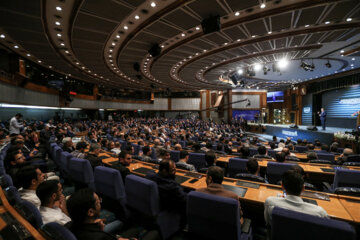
284, 131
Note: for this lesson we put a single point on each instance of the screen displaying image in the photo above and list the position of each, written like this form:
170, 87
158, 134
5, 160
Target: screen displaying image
275, 96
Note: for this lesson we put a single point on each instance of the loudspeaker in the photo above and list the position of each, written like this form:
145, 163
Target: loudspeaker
136, 66
293, 126
211, 24
155, 50
312, 128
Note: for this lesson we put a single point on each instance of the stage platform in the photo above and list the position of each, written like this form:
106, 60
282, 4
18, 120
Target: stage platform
284, 131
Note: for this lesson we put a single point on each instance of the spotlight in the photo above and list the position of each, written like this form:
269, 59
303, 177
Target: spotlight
282, 63
240, 71
257, 66
328, 64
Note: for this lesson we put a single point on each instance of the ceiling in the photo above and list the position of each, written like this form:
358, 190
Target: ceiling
100, 41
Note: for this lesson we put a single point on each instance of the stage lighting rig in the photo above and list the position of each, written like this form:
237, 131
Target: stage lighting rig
265, 69
328, 64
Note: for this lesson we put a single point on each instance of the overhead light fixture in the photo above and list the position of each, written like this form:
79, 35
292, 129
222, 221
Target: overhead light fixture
66, 51
57, 23
16, 46
270, 32
328, 64
342, 51
353, 59
283, 63
237, 14
240, 71
137, 17
28, 54
197, 28
59, 35
257, 66
2, 36
113, 43
153, 4
183, 34
62, 44
327, 22
126, 27
117, 36
307, 25
262, 5
58, 8
349, 19
39, 61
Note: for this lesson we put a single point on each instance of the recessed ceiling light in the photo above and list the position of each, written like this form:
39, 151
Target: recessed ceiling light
183, 34
253, 36
327, 22
197, 28
225, 43
237, 14
110, 60
2, 36
162, 46
270, 32
137, 17
342, 51
307, 25
262, 5
28, 54
83, 67
59, 34
353, 59
57, 23
50, 66
77, 63
110, 56
117, 36
62, 44
153, 4
352, 65
238, 40
113, 43
39, 61
66, 51
16, 46
58, 8
349, 19
110, 50
126, 27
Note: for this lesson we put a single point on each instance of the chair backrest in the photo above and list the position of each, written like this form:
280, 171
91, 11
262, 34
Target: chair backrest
208, 213
6, 181
56, 231
12, 195
287, 224
108, 181
275, 170
52, 150
237, 165
142, 195
250, 177
64, 160
253, 151
81, 171
346, 178
271, 153
57, 152
30, 212
198, 160
153, 153
301, 149
136, 148
326, 156
175, 155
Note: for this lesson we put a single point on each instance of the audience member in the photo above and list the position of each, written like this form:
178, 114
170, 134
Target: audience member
79, 150
182, 163
93, 155
262, 153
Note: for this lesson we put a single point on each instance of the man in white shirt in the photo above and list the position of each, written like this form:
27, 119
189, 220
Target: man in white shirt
29, 178
15, 124
293, 185
53, 203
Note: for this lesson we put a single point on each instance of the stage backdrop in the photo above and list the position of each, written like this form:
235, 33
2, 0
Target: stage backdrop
306, 117
340, 104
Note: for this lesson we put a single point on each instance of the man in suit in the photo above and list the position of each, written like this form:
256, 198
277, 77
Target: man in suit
214, 178
322, 116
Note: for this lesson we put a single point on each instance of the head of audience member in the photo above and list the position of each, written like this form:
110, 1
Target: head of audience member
15, 159
84, 207
317, 143
274, 138
272, 145
67, 142
130, 149
157, 142
111, 145
334, 148
219, 147
214, 174
325, 147
49, 192
280, 156
178, 147
304, 142
262, 150
167, 168
347, 152
286, 151
146, 151
81, 146
281, 145
291, 147
164, 154
292, 182
298, 169
210, 158
209, 145
95, 149
29, 177
311, 146
196, 147
184, 155
117, 145
253, 166
125, 158
312, 156
298, 142
245, 152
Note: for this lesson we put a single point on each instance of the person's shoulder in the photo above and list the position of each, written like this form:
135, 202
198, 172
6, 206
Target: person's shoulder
272, 200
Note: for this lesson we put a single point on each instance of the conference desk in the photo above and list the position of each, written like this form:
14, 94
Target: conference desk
315, 171
253, 195
24, 227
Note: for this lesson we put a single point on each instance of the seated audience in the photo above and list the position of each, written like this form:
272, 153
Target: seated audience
214, 178
343, 157
182, 163
53, 203
147, 151
117, 148
262, 153
93, 155
293, 185
79, 150
312, 156
210, 158
280, 156
68, 145
121, 165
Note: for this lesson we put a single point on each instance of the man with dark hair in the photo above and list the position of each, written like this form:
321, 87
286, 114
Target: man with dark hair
324, 148
15, 124
68, 145
93, 155
210, 158
79, 150
312, 156
13, 162
29, 178
214, 178
289, 156
124, 161
262, 153
84, 209
182, 163
253, 166
146, 157
164, 154
172, 195
245, 152
53, 203
292, 184
344, 156
280, 156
